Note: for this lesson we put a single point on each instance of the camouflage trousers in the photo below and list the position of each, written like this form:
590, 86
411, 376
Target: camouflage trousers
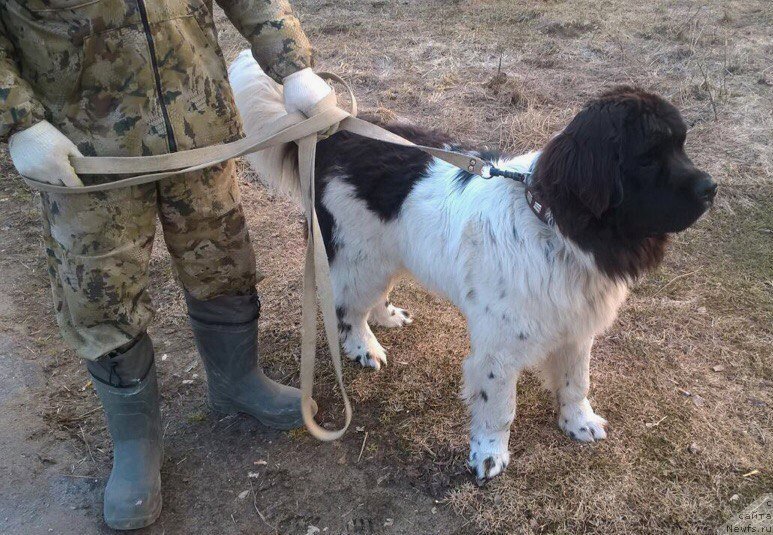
99, 245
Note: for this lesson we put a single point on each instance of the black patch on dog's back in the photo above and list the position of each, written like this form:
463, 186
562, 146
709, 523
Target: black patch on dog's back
382, 174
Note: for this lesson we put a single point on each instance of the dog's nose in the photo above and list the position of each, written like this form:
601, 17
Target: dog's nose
706, 189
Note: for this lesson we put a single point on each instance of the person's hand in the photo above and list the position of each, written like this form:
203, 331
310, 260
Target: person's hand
303, 90
41, 152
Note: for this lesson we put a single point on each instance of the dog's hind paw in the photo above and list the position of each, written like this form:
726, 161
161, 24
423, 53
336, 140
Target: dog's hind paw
390, 316
488, 456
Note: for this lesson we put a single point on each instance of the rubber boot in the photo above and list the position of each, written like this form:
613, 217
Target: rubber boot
126, 385
226, 329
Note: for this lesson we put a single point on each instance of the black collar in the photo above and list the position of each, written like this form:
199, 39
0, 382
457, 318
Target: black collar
538, 207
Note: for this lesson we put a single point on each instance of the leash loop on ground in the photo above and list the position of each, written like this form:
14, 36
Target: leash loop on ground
324, 120
316, 278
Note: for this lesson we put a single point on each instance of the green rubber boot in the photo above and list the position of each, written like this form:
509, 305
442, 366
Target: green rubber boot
126, 385
226, 329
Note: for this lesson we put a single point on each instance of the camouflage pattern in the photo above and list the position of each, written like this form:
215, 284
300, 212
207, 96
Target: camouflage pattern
98, 248
18, 107
278, 44
134, 78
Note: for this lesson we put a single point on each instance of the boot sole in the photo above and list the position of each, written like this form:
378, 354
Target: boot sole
128, 524
230, 408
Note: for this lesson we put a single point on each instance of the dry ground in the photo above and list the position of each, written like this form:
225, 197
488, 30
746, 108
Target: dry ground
685, 376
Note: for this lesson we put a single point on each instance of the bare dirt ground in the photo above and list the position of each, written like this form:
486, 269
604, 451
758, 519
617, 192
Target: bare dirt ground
685, 376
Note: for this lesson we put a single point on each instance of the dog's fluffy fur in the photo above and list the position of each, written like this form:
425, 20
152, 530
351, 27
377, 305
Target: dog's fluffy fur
534, 294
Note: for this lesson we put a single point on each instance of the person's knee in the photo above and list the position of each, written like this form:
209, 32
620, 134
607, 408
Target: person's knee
215, 259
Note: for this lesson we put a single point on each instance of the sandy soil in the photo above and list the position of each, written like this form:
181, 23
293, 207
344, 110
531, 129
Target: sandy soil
684, 377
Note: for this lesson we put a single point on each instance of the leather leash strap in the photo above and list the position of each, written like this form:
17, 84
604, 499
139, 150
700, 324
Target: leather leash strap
324, 120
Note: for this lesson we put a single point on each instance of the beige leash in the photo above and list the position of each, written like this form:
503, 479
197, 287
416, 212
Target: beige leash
324, 119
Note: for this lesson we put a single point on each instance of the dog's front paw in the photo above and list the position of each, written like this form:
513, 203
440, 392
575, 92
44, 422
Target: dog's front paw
579, 422
366, 352
488, 455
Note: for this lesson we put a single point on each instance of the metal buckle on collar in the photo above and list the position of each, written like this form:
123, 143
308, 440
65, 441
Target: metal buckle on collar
489, 171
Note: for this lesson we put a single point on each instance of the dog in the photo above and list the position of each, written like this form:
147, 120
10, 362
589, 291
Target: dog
538, 268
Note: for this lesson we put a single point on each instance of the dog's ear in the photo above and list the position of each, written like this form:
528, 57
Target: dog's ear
584, 160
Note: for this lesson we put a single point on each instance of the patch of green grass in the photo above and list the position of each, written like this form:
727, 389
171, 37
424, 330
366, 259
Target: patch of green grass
197, 417
298, 434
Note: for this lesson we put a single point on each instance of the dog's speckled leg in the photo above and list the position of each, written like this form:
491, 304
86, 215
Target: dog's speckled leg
490, 392
567, 373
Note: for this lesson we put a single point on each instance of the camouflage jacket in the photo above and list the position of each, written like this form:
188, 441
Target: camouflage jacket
134, 77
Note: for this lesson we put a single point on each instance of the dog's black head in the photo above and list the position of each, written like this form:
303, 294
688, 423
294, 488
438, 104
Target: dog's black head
618, 181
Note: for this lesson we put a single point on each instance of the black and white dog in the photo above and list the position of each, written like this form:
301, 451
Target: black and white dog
535, 290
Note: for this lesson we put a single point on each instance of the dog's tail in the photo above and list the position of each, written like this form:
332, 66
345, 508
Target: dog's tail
260, 101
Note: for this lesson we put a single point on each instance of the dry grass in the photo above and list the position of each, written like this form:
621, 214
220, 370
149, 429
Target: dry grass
685, 375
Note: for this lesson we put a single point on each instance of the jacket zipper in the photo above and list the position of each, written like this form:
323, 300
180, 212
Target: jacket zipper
151, 45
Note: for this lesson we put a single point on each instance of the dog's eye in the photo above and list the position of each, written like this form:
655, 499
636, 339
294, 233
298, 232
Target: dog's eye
654, 151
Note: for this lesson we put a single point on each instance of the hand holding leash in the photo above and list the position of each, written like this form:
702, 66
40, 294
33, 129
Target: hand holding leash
303, 90
42, 153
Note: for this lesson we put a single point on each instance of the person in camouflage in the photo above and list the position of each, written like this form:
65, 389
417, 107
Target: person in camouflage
137, 78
